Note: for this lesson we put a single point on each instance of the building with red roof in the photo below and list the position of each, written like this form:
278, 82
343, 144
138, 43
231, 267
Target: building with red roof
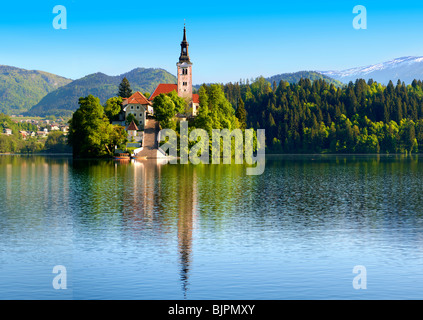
163, 88
139, 106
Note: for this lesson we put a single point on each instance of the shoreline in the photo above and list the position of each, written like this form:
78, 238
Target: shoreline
267, 154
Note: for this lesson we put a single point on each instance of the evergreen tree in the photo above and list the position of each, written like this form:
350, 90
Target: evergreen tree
241, 114
125, 90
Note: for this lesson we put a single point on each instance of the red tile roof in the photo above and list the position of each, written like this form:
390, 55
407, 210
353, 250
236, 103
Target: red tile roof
195, 98
137, 98
163, 88
132, 126
167, 88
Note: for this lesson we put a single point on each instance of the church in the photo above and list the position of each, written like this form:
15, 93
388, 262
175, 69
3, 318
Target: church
141, 107
184, 85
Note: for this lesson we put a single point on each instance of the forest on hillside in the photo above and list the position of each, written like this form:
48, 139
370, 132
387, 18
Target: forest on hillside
318, 117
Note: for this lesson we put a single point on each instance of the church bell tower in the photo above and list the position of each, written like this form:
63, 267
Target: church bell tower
184, 70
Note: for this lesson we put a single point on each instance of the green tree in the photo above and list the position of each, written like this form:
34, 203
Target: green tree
113, 107
166, 106
125, 90
164, 110
90, 132
57, 142
241, 114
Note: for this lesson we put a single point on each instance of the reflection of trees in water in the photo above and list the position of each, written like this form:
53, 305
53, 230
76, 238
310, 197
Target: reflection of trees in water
150, 202
156, 202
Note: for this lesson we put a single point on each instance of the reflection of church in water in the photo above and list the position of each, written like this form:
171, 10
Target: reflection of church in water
151, 206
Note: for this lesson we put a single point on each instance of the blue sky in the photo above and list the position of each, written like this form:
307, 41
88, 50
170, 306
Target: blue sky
229, 40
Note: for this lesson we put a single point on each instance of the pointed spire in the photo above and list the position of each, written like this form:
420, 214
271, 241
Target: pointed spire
184, 57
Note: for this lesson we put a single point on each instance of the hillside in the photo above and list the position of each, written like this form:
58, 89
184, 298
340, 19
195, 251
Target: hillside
20, 89
64, 101
297, 76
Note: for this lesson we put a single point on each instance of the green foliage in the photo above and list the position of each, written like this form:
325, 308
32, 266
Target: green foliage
316, 116
7, 122
21, 89
57, 142
166, 106
32, 145
125, 90
241, 114
90, 131
215, 112
112, 107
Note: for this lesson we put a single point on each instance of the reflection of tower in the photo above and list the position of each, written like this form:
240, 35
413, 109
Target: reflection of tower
186, 218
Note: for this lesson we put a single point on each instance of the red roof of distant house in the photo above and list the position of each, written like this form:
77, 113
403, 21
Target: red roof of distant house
195, 98
132, 126
163, 88
137, 98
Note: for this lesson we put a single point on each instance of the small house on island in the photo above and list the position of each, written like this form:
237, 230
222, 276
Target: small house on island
133, 134
139, 106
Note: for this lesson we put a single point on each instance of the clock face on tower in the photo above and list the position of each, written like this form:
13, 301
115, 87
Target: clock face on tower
185, 50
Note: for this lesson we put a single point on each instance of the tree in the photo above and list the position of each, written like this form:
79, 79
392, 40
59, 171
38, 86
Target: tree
113, 107
164, 110
125, 90
204, 120
241, 114
90, 132
56, 142
180, 103
166, 106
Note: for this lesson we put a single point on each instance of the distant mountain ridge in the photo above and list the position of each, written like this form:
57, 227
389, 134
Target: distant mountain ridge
294, 77
20, 89
64, 101
405, 69
43, 93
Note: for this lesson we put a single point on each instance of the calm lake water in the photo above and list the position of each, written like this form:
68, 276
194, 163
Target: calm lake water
140, 230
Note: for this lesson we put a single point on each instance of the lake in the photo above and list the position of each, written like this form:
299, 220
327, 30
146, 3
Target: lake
142, 230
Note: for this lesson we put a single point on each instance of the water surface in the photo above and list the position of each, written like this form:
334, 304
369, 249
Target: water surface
139, 230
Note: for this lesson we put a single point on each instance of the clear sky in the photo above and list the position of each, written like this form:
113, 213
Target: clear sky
229, 40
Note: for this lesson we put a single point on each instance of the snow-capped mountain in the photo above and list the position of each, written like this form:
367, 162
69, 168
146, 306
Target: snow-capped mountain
405, 69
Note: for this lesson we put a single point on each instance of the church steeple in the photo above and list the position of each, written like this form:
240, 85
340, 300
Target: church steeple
184, 70
184, 57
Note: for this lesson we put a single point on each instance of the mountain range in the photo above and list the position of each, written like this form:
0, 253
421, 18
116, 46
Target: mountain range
39, 93
294, 77
64, 100
405, 69
21, 89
